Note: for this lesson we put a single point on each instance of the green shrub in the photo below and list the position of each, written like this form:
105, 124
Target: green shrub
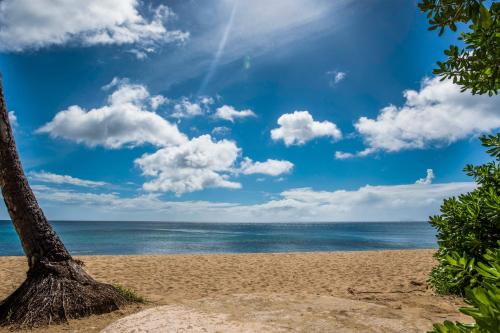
129, 294
468, 225
485, 299
454, 274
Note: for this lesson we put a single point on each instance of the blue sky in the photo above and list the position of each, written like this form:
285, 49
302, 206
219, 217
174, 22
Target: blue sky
236, 110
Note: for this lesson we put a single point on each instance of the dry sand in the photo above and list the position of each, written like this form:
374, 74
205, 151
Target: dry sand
371, 291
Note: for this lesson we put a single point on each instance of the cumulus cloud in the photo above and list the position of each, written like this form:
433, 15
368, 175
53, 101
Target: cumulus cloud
48, 177
270, 167
438, 114
27, 24
127, 119
405, 202
428, 178
186, 108
157, 101
201, 106
192, 166
229, 113
202, 163
299, 127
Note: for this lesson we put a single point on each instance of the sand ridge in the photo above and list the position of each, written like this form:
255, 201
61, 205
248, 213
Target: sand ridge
367, 291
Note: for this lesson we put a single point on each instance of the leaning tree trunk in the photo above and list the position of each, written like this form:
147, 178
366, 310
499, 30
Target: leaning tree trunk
56, 287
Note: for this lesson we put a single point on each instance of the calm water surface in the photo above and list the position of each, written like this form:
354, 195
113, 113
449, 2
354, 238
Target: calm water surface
104, 237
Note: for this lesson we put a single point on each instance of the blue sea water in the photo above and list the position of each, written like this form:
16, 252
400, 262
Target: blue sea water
104, 237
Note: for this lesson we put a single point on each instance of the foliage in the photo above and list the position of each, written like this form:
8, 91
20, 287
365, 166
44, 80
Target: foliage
468, 225
474, 66
485, 299
454, 274
129, 294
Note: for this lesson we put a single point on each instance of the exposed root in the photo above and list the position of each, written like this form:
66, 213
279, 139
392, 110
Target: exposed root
55, 292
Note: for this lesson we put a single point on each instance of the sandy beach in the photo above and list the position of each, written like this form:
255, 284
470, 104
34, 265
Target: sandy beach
369, 291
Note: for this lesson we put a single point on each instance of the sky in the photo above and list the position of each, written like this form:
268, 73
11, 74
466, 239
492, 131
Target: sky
236, 110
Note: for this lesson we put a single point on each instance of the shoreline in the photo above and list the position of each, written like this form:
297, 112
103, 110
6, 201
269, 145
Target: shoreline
234, 253
218, 222
351, 291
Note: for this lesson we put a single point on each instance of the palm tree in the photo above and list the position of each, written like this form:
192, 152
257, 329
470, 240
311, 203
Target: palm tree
56, 287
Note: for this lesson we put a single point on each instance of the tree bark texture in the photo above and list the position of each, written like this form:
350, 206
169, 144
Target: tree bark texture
57, 287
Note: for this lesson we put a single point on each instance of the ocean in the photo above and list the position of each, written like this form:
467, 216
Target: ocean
117, 238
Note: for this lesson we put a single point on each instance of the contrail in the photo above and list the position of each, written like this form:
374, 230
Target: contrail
220, 49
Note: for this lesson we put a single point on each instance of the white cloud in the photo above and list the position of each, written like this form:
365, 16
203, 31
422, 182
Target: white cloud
368, 203
270, 167
70, 204
335, 77
142, 53
192, 166
221, 131
409, 202
185, 108
339, 76
438, 114
47, 177
428, 178
139, 54
181, 165
116, 82
228, 112
28, 24
124, 121
299, 127
340, 155
157, 101
12, 118
207, 100
201, 106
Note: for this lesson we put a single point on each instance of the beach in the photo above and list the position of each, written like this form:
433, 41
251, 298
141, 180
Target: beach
363, 291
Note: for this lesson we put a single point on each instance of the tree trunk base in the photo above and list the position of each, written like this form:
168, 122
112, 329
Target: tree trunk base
55, 292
